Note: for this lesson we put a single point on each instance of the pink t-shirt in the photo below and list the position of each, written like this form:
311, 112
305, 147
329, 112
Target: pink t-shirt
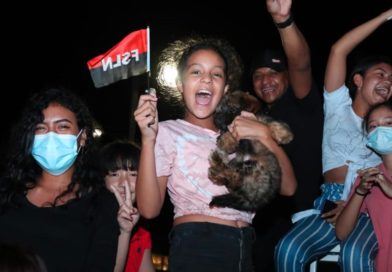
181, 153
379, 208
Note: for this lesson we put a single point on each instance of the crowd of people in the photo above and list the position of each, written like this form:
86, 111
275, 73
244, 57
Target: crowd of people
70, 203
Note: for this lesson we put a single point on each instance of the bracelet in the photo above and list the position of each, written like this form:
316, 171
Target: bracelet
286, 23
359, 193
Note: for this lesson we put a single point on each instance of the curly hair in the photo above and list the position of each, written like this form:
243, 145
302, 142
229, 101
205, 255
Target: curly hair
177, 54
22, 171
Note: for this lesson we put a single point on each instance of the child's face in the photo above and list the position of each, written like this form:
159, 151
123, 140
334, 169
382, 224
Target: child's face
376, 85
381, 117
203, 83
118, 179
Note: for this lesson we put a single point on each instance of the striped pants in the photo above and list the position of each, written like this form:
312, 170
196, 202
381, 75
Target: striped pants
313, 237
359, 250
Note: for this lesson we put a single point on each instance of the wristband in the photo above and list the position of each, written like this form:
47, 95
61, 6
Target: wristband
359, 193
286, 23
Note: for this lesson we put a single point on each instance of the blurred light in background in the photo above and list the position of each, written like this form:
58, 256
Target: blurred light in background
160, 262
97, 133
167, 75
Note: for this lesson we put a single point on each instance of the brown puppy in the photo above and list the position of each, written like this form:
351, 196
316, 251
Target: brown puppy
247, 168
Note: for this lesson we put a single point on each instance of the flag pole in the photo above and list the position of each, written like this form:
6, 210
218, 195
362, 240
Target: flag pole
148, 58
135, 95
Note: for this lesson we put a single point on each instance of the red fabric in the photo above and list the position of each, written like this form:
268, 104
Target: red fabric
127, 58
140, 241
134, 40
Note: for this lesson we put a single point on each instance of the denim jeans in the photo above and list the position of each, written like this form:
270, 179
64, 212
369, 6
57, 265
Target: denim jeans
205, 247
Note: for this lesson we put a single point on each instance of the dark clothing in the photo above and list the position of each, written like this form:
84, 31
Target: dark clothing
305, 119
79, 236
208, 247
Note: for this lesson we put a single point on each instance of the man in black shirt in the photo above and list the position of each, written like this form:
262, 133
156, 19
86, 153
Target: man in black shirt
284, 84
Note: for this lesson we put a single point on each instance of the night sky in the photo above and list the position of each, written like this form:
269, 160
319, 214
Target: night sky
49, 44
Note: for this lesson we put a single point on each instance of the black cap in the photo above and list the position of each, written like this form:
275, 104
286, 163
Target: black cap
271, 58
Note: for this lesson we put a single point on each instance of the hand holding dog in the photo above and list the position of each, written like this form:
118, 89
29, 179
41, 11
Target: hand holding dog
246, 126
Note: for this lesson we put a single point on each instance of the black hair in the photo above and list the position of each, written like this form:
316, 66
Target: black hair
387, 104
362, 66
22, 171
119, 155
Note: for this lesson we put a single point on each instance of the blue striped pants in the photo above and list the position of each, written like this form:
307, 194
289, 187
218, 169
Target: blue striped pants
312, 237
359, 250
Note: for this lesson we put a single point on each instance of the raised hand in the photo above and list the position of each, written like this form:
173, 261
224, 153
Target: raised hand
146, 116
388, 14
128, 215
279, 9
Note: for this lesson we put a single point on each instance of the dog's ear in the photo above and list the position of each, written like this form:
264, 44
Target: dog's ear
251, 103
221, 115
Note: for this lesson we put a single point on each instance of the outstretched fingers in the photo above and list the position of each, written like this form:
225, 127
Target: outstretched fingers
128, 198
117, 194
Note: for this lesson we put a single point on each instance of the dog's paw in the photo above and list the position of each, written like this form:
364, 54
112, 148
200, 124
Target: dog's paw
281, 132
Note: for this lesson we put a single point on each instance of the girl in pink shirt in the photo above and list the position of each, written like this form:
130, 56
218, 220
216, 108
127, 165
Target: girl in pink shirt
174, 156
372, 191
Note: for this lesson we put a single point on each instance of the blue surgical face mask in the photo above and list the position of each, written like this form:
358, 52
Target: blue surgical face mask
55, 152
380, 140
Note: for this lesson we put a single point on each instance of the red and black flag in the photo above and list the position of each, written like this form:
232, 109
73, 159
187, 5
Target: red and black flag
130, 57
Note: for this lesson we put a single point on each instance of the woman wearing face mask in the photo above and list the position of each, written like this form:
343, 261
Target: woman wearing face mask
372, 190
47, 200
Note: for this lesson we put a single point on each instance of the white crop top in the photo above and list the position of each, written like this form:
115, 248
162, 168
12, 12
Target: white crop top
344, 141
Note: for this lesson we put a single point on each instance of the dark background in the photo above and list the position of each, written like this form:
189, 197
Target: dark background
49, 44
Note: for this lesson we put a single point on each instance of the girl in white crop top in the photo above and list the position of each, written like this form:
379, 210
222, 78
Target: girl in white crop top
344, 152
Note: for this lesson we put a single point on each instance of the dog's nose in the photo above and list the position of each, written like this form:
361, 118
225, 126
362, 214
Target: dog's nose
248, 166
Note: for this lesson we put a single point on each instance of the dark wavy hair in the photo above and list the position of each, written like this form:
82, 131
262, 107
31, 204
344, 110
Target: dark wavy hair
178, 52
361, 66
22, 171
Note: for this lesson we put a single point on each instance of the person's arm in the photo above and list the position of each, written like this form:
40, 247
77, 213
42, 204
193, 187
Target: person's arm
289, 182
122, 251
147, 265
348, 217
246, 126
127, 218
295, 47
150, 190
335, 73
